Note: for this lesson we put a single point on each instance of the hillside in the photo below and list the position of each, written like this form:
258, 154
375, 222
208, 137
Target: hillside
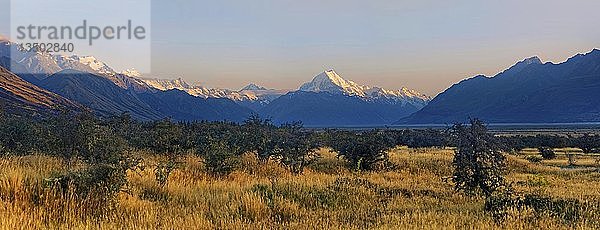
528, 92
20, 96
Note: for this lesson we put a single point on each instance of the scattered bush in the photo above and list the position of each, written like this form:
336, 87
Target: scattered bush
478, 164
258, 134
364, 151
167, 139
534, 159
427, 138
219, 158
547, 153
588, 143
296, 148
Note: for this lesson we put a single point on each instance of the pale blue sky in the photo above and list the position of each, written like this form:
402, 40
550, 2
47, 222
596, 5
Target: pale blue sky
426, 45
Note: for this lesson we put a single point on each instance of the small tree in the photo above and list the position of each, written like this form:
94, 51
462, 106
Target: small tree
221, 154
219, 160
258, 136
478, 164
588, 143
365, 151
166, 138
547, 153
71, 136
106, 159
296, 148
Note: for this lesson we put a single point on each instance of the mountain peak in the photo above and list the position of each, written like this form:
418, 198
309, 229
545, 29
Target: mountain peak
91, 63
253, 86
330, 81
132, 73
332, 76
522, 65
532, 60
528, 61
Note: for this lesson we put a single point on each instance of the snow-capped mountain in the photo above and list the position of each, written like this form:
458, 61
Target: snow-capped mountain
329, 81
253, 86
46, 64
39, 64
252, 96
330, 100
197, 90
131, 73
93, 63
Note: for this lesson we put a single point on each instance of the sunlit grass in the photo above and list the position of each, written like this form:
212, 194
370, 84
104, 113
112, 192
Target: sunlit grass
262, 195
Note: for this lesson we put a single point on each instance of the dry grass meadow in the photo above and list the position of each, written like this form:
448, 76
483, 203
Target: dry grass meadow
266, 196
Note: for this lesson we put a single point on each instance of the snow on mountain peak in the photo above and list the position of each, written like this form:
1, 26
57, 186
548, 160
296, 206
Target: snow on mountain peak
168, 84
253, 86
330, 81
533, 60
131, 73
95, 65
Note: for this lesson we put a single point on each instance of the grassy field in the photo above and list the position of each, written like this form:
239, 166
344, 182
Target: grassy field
415, 195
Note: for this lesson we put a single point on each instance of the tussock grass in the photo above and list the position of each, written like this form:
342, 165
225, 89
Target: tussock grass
263, 195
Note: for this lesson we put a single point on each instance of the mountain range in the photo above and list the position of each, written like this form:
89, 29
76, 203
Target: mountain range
330, 100
529, 92
94, 84
326, 100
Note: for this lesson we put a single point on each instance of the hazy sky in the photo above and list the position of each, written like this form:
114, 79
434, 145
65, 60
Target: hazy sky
422, 44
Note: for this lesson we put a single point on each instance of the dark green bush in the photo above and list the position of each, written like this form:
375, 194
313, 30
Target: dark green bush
364, 151
105, 156
588, 143
258, 136
547, 153
220, 159
296, 148
479, 165
426, 138
534, 159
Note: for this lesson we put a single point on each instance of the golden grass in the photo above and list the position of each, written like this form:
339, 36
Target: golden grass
266, 196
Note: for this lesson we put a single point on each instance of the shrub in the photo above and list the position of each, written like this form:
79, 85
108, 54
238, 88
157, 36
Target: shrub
107, 162
588, 143
534, 159
257, 136
478, 164
221, 148
220, 159
295, 148
166, 138
72, 137
421, 138
20, 136
547, 153
364, 151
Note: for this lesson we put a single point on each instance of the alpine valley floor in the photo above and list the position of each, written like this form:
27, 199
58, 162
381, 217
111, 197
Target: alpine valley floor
326, 196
